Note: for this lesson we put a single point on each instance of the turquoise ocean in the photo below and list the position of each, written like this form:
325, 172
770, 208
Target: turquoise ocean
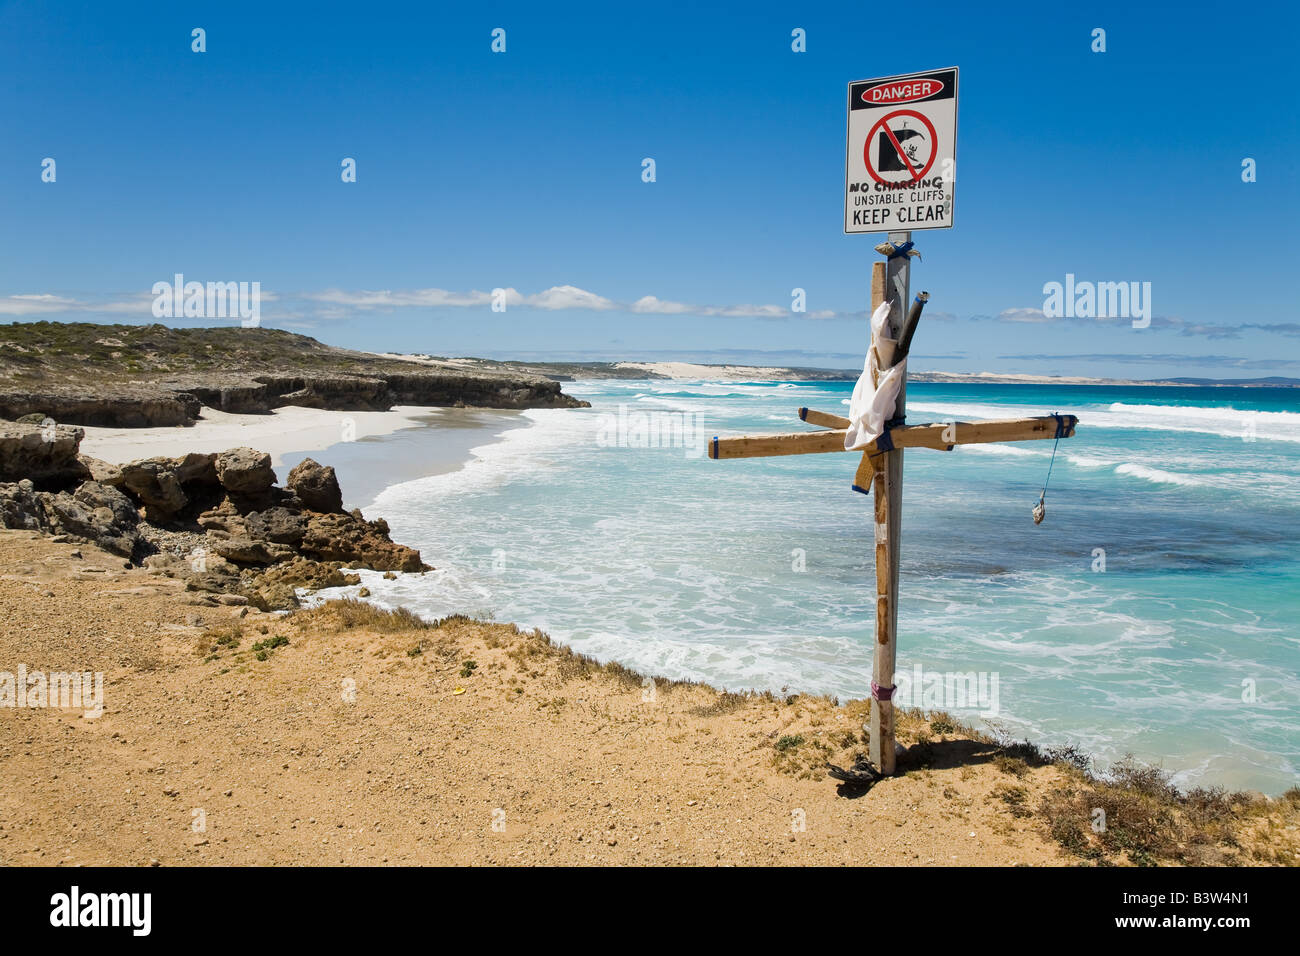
1154, 612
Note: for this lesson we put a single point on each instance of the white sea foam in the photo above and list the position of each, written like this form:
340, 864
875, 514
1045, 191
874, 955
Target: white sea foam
1088, 461
1013, 451
966, 411
544, 431
1225, 422
1157, 475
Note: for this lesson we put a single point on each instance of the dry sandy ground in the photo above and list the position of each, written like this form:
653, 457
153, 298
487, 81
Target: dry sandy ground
232, 760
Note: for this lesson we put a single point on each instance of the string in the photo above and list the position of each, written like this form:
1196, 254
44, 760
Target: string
1049, 467
1060, 429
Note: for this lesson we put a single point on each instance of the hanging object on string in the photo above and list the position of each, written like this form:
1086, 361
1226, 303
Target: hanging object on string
1040, 509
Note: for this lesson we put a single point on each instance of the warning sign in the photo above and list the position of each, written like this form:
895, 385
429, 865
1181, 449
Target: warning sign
902, 153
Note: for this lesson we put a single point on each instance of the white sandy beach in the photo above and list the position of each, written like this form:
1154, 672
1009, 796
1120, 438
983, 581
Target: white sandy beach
285, 430
369, 450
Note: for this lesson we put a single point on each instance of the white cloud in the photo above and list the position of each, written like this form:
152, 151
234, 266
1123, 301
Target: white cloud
749, 311
135, 303
339, 304
570, 297
652, 305
556, 297
1023, 315
138, 304
553, 299
387, 299
36, 304
331, 305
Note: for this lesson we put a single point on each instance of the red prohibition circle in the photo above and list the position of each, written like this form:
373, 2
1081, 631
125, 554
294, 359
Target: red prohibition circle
871, 133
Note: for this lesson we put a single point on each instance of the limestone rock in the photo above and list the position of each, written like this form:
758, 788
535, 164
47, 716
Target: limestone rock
75, 515
215, 521
155, 483
97, 403
46, 453
276, 524
97, 496
198, 469
316, 486
224, 518
275, 588
245, 471
243, 550
95, 512
20, 506
103, 472
341, 537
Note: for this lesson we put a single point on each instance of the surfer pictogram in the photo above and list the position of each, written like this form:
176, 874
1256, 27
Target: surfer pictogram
916, 150
900, 148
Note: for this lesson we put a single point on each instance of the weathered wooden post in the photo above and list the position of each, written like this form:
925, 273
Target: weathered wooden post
887, 488
880, 471
899, 171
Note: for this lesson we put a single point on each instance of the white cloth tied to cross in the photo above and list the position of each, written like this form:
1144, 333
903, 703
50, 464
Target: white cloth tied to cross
876, 393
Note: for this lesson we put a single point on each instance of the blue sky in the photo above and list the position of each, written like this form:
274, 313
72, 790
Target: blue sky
522, 170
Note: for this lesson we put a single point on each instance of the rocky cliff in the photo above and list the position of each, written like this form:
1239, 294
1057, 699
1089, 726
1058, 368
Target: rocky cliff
218, 521
136, 376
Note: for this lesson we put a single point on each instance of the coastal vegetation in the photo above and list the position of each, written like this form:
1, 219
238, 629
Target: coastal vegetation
82, 373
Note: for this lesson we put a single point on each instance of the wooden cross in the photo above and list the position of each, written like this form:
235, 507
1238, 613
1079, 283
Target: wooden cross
881, 470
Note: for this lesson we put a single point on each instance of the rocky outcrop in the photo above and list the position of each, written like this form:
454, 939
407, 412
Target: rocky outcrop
276, 587
249, 551
44, 453
107, 406
179, 400
156, 485
503, 391
316, 486
278, 525
102, 471
352, 539
216, 520
82, 373
245, 471
97, 513
380, 392
166, 486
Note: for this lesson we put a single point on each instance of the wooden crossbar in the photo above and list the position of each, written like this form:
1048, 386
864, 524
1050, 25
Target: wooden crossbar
824, 419
940, 435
